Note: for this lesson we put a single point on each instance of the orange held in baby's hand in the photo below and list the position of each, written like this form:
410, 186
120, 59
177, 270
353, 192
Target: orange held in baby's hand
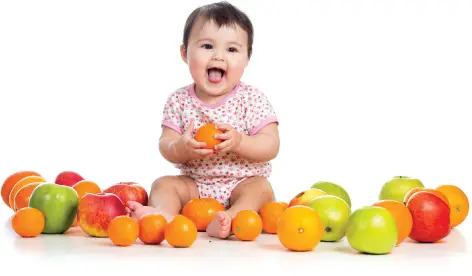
246, 225
201, 211
206, 133
123, 230
28, 222
270, 213
151, 228
181, 232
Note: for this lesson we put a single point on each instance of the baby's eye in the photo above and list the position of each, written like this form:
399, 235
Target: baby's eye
232, 50
207, 46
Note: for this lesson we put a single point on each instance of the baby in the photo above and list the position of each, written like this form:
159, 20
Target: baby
217, 46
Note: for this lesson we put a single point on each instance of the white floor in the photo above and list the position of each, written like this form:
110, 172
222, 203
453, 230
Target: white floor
77, 254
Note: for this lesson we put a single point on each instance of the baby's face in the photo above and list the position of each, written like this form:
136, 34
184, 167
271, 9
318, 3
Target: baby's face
216, 57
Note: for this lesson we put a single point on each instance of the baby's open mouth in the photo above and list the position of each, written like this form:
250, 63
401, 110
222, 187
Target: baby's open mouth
215, 75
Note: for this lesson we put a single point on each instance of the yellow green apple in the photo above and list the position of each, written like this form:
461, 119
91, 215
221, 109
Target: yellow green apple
333, 189
334, 213
398, 187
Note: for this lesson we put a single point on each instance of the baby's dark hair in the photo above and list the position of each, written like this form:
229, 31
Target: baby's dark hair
223, 14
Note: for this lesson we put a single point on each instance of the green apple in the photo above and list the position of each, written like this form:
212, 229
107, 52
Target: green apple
398, 186
334, 213
372, 230
333, 189
58, 203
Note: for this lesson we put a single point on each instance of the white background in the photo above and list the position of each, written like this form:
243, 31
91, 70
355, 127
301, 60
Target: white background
364, 91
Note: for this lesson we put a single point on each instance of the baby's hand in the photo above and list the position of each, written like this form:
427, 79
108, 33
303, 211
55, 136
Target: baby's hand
231, 139
190, 147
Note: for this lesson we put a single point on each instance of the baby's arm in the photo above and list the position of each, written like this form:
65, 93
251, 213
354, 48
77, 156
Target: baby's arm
261, 147
179, 148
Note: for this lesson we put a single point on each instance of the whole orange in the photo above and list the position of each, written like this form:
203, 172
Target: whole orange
11, 181
201, 211
299, 228
270, 213
23, 195
181, 232
123, 230
28, 222
20, 184
402, 217
86, 186
458, 202
206, 133
151, 228
246, 225
421, 189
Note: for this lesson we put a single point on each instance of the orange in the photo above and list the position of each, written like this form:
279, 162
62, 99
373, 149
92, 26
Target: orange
28, 222
23, 195
206, 133
20, 184
11, 181
151, 228
270, 213
420, 189
86, 186
458, 202
300, 228
123, 230
402, 217
181, 232
246, 225
201, 211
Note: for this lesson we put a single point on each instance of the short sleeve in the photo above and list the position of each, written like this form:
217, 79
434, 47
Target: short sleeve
259, 111
172, 116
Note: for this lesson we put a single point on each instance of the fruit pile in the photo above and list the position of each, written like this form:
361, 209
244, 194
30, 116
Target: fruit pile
322, 213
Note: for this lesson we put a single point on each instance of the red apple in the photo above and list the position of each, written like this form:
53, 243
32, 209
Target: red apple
431, 221
127, 191
68, 178
97, 210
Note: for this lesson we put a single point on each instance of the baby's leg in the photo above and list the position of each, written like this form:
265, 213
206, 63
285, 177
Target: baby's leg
167, 197
250, 194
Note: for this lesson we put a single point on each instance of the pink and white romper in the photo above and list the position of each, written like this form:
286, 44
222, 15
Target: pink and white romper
246, 109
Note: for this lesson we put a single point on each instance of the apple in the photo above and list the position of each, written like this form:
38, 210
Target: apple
431, 217
334, 213
372, 230
398, 186
129, 191
305, 197
333, 189
58, 204
68, 178
97, 210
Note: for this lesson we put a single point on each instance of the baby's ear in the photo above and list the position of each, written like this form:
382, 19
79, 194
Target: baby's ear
183, 53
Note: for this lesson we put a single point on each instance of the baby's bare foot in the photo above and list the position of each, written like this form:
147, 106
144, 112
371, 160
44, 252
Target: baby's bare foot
137, 211
220, 226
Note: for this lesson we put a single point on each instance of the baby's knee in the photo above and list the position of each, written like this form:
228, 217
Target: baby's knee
163, 181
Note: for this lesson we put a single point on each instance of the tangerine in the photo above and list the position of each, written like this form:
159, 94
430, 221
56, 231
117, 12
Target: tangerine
123, 231
201, 211
180, 232
151, 228
86, 186
458, 202
270, 213
206, 133
300, 228
28, 222
402, 217
246, 225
